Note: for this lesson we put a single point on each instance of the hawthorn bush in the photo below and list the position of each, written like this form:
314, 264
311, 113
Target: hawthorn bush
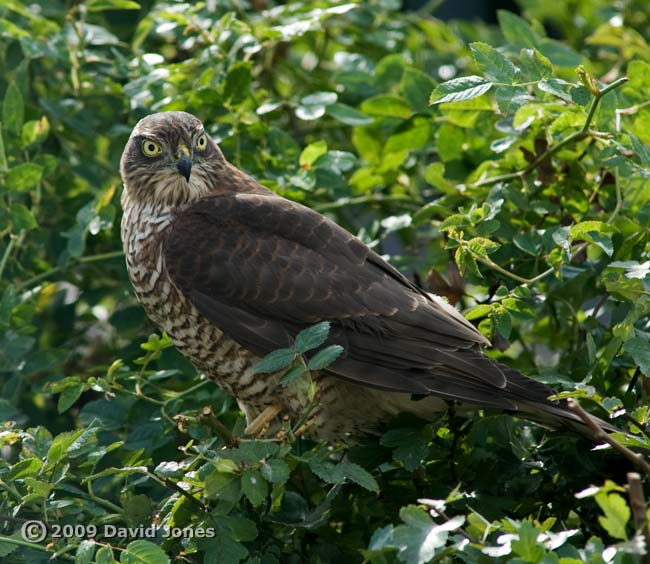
501, 167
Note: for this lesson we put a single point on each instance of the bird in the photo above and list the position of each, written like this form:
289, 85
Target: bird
232, 271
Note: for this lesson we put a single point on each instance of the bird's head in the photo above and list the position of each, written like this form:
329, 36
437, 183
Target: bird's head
170, 160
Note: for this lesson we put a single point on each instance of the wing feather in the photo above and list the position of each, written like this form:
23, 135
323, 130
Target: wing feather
262, 268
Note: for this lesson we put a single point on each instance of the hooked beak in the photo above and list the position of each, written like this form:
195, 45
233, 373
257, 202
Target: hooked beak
184, 164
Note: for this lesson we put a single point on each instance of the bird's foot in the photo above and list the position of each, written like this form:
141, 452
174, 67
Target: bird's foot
260, 424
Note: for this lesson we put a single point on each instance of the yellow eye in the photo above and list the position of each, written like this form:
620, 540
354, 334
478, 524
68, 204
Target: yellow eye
202, 142
151, 148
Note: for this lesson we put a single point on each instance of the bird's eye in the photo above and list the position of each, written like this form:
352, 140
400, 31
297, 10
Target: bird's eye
151, 148
202, 142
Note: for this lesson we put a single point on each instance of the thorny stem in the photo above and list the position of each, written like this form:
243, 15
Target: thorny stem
635, 458
572, 138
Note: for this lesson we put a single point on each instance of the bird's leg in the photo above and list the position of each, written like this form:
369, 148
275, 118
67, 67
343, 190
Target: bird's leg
257, 425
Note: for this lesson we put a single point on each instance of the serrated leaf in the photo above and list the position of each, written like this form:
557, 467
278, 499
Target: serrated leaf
503, 322
617, 514
143, 552
639, 349
104, 556
275, 361
460, 89
495, 65
322, 359
478, 311
85, 552
275, 471
535, 65
312, 337
293, 375
254, 487
358, 475
482, 247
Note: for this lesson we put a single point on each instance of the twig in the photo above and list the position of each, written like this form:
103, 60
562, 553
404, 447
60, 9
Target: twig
32, 546
174, 486
208, 418
579, 135
5, 256
637, 505
73, 262
636, 459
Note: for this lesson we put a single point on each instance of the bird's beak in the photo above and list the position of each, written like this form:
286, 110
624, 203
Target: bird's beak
184, 164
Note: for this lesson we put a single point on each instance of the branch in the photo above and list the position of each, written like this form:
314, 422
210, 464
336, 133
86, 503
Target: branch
208, 418
637, 505
73, 262
572, 138
635, 458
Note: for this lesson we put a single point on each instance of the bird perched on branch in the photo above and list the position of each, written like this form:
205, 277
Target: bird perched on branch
232, 271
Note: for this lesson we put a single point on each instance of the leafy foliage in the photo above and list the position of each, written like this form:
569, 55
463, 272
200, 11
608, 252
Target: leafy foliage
500, 167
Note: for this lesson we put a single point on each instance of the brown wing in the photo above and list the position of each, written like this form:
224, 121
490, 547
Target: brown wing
262, 268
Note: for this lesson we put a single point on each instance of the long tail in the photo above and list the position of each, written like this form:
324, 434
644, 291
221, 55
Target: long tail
531, 399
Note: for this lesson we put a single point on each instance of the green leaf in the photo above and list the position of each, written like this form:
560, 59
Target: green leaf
69, 396
275, 471
358, 475
85, 552
342, 472
13, 109
322, 359
25, 467
482, 247
35, 131
238, 82
617, 514
254, 487
495, 65
416, 87
312, 337
478, 311
143, 552
24, 176
275, 361
319, 99
535, 65
386, 105
348, 115
4, 167
223, 486
292, 375
411, 446
639, 349
104, 556
526, 545
101, 5
460, 89
311, 152
503, 322
516, 30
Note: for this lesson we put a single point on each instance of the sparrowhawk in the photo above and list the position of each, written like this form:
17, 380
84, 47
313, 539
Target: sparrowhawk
232, 271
